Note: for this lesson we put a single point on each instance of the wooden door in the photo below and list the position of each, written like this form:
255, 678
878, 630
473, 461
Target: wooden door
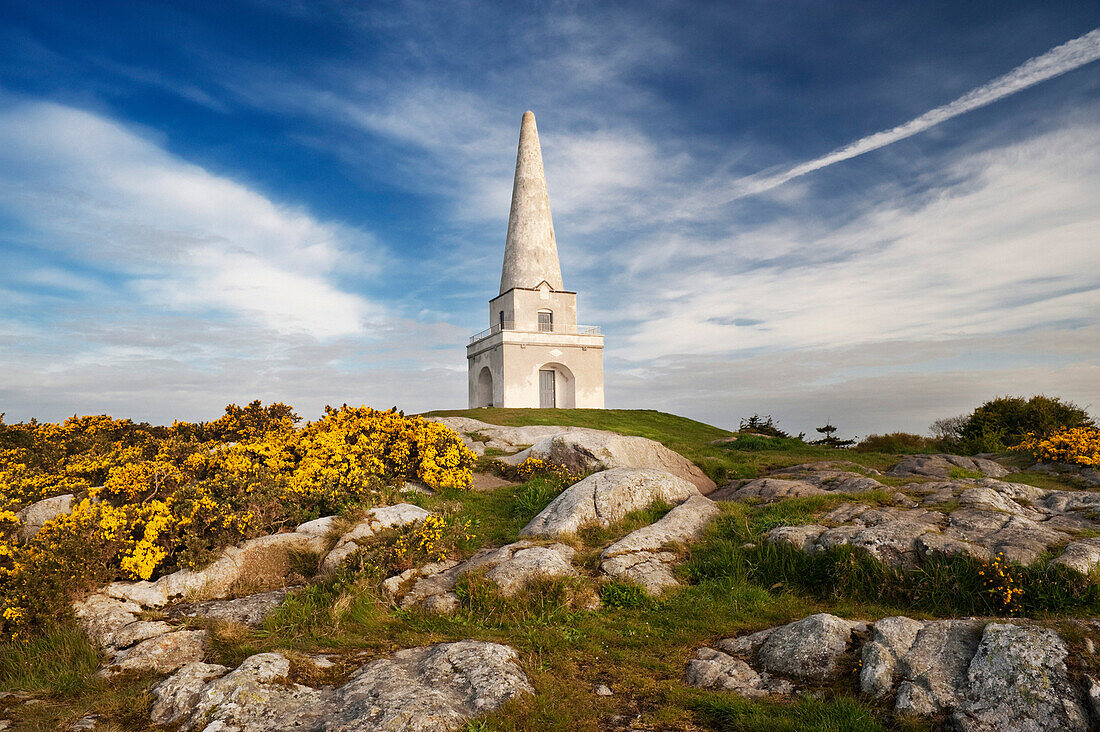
547, 396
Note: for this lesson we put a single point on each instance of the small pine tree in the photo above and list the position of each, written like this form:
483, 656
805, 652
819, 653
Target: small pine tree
830, 439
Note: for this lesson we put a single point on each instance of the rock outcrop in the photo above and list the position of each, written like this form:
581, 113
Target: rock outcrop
593, 450
982, 676
377, 519
478, 435
427, 689
639, 556
260, 560
943, 466
977, 518
606, 497
511, 568
111, 617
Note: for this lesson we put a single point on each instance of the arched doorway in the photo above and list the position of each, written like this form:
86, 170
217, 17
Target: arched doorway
557, 387
485, 388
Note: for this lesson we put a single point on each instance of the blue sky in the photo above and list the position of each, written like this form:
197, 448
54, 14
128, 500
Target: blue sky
203, 203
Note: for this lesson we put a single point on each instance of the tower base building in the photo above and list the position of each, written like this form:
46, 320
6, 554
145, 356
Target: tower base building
534, 354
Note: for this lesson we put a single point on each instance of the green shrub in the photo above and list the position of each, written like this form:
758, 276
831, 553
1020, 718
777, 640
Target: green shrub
623, 595
1006, 421
897, 443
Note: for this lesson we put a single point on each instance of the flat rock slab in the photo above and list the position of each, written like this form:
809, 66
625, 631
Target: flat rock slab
427, 689
982, 677
606, 497
251, 610
941, 466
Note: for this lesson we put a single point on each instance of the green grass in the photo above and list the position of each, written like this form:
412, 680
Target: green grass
673, 431
807, 714
1046, 481
61, 661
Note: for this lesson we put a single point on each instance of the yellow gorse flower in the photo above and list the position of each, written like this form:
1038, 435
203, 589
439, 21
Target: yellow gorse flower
1078, 445
153, 499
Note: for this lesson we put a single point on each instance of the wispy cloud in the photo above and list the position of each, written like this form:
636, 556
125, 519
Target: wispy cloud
1008, 245
171, 233
1067, 57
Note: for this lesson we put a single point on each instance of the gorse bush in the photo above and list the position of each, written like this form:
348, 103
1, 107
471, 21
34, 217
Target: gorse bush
1079, 445
151, 500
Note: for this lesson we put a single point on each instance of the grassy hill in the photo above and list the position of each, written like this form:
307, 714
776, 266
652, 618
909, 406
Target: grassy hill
747, 459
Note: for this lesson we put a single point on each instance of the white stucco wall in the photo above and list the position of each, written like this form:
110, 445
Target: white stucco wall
515, 359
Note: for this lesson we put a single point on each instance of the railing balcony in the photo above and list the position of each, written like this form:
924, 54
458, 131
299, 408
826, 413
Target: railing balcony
542, 328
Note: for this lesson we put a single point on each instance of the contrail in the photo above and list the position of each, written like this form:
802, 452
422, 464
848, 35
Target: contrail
1054, 62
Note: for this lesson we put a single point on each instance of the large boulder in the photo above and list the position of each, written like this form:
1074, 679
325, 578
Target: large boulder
254, 697
1003, 676
588, 451
175, 697
891, 639
1018, 680
933, 670
808, 649
639, 557
427, 689
606, 497
431, 688
713, 669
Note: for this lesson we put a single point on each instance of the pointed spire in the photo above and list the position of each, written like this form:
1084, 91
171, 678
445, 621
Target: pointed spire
530, 254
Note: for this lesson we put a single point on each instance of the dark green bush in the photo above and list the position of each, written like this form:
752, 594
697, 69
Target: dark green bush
898, 443
1005, 422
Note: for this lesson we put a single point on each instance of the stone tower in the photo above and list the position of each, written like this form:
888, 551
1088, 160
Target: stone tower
534, 354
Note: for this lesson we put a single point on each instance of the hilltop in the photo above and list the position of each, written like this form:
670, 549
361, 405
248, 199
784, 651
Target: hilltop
621, 600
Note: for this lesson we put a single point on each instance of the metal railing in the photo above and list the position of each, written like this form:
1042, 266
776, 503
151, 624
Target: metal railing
511, 326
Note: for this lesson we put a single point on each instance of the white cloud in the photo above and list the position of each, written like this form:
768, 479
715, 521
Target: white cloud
1010, 246
179, 236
